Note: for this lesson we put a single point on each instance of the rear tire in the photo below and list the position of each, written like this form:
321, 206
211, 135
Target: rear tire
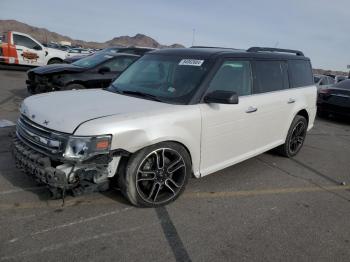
295, 138
156, 175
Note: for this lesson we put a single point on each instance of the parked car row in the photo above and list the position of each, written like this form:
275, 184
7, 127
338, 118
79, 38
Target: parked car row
22, 49
334, 99
327, 80
96, 71
129, 50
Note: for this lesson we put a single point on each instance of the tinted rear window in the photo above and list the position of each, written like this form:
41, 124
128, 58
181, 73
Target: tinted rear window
270, 76
300, 72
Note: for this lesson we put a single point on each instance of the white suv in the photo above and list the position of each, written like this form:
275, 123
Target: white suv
172, 114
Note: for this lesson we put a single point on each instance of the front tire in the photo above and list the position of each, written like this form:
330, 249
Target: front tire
156, 175
295, 138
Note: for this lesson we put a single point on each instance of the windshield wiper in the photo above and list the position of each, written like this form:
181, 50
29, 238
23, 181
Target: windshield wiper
140, 94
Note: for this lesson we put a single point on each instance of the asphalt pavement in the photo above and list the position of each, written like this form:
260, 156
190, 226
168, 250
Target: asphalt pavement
268, 208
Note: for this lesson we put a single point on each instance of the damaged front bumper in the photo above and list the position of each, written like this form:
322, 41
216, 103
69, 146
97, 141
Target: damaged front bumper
38, 165
60, 178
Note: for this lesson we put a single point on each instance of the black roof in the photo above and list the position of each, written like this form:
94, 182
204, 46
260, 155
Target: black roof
214, 52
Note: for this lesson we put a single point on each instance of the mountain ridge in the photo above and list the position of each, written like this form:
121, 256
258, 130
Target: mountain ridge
44, 35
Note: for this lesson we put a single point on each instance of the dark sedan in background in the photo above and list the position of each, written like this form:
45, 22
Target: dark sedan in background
95, 71
128, 50
334, 100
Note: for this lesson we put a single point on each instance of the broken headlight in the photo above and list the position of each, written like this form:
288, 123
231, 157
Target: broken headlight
81, 147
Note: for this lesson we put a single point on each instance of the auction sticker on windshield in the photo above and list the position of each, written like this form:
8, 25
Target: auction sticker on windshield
191, 62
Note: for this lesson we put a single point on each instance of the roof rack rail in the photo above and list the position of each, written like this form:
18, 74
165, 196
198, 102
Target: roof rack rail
270, 49
199, 46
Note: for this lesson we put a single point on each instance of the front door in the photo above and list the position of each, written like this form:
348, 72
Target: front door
229, 131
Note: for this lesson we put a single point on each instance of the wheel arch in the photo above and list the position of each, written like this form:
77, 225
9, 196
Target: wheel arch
125, 158
76, 81
303, 113
299, 112
54, 58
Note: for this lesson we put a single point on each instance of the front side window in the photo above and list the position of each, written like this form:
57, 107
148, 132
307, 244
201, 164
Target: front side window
270, 76
168, 78
233, 76
24, 41
300, 72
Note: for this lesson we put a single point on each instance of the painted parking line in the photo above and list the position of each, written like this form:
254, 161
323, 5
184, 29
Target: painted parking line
193, 195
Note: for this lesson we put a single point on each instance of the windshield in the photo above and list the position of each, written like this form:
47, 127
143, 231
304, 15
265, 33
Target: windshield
170, 79
92, 61
316, 79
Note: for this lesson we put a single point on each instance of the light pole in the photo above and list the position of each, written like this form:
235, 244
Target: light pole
193, 35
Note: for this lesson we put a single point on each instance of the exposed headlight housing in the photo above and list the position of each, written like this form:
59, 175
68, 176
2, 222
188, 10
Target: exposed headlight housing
82, 147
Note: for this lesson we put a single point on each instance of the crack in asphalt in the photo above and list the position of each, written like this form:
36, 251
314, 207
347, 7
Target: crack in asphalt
73, 223
78, 241
306, 179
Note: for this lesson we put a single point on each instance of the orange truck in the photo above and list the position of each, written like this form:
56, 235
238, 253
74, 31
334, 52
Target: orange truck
21, 49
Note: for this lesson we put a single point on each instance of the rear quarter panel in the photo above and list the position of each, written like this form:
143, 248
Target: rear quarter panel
305, 98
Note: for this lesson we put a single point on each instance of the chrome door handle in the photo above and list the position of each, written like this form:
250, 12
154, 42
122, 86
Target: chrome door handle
291, 101
251, 109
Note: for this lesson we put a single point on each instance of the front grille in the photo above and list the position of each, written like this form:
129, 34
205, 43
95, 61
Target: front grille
40, 138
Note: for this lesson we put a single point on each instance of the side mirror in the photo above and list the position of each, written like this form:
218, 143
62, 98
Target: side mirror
104, 69
221, 97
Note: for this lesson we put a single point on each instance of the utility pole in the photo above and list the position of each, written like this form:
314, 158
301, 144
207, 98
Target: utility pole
193, 35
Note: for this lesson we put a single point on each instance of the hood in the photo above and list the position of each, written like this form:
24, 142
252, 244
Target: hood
64, 110
57, 68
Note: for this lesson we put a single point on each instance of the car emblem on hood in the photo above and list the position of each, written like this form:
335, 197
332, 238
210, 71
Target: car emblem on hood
33, 116
46, 122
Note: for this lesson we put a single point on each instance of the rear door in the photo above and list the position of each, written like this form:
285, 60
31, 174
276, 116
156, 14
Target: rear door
29, 52
274, 101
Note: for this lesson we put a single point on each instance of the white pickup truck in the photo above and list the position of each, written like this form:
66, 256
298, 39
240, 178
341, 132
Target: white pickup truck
21, 49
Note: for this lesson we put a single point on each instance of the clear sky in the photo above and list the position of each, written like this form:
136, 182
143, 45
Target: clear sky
320, 28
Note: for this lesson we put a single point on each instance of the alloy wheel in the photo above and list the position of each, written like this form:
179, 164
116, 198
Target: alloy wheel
297, 137
160, 176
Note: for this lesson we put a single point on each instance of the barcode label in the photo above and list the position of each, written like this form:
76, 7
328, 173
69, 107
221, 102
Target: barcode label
191, 62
